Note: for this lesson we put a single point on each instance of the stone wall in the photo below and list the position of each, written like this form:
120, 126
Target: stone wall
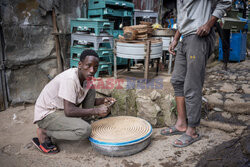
30, 45
155, 105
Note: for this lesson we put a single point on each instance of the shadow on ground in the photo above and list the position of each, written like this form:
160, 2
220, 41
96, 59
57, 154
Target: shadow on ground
235, 152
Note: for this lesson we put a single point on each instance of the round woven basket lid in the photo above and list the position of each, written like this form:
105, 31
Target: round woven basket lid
120, 131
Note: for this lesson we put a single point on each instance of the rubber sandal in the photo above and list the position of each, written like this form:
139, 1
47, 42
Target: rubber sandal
175, 131
47, 147
186, 140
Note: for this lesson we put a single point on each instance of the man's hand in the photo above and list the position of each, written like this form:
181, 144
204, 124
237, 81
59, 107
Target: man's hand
203, 30
102, 110
206, 28
108, 101
172, 47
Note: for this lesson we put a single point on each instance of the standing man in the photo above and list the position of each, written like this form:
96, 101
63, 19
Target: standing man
57, 111
195, 21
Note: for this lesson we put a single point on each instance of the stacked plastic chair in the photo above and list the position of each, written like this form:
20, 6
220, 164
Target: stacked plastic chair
93, 34
119, 11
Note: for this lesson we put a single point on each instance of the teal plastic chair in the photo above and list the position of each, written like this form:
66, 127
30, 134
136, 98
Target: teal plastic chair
104, 66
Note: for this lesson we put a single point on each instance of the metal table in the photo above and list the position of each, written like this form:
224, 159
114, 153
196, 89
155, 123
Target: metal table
166, 40
147, 49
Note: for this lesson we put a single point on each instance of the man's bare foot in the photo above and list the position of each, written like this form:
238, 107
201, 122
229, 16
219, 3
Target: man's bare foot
41, 134
181, 124
182, 128
190, 132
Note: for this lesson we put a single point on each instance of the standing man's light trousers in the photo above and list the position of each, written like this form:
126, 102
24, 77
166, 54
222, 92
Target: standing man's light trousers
189, 73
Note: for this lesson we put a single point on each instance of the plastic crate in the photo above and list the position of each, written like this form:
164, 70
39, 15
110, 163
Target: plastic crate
74, 63
108, 11
97, 4
103, 66
103, 53
237, 47
85, 24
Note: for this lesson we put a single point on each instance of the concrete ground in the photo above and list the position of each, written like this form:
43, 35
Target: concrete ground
17, 131
16, 148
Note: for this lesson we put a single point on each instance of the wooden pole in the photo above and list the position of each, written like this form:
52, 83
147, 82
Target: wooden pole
170, 60
58, 55
129, 62
147, 58
115, 65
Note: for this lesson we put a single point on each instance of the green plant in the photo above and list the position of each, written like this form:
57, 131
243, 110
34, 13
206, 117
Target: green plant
173, 107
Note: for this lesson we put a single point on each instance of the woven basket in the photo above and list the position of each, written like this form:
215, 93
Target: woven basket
120, 136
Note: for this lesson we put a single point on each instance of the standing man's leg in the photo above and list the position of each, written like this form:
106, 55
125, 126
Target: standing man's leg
198, 50
177, 81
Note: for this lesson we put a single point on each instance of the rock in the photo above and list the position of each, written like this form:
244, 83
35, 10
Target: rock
246, 88
211, 76
236, 104
227, 88
215, 99
211, 59
217, 109
126, 102
25, 84
225, 77
155, 95
137, 102
245, 145
169, 116
167, 79
49, 67
222, 126
226, 115
241, 78
52, 73
29, 145
235, 98
148, 110
244, 118
232, 77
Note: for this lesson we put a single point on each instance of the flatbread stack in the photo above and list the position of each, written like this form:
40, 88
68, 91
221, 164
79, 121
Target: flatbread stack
141, 32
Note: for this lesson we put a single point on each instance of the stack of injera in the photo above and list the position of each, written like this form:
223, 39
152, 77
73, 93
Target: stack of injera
142, 31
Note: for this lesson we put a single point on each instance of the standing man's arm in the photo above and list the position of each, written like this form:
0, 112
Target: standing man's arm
205, 29
174, 42
220, 9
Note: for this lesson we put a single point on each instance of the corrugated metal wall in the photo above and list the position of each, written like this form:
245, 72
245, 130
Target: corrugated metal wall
147, 4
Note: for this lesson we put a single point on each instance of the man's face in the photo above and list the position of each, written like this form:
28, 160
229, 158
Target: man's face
88, 67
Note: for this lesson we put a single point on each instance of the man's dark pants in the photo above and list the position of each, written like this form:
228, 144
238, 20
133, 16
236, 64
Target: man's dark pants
189, 73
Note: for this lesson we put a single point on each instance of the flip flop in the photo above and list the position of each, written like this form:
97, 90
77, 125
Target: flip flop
186, 140
175, 131
47, 147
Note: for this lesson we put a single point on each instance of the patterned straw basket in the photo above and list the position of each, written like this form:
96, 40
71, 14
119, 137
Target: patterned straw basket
120, 136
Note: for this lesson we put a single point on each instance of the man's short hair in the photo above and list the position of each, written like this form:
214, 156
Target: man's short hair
88, 52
